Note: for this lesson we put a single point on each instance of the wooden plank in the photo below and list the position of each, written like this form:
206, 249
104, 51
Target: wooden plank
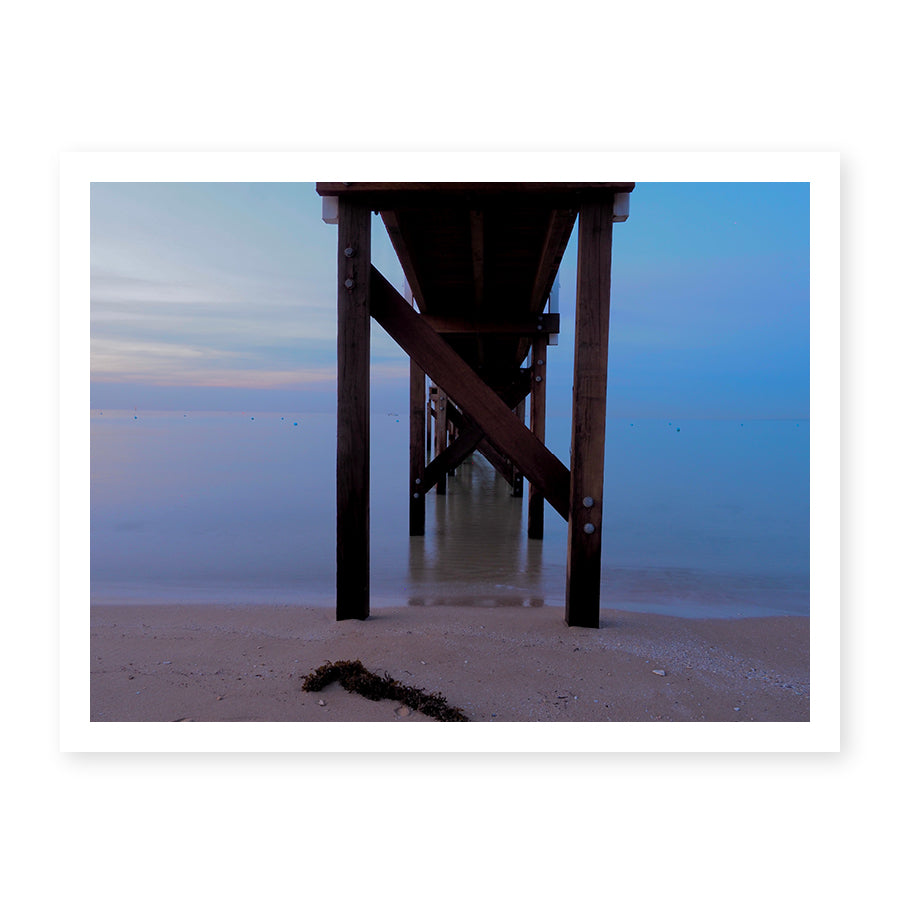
353, 352
541, 323
481, 404
417, 488
335, 188
538, 429
589, 413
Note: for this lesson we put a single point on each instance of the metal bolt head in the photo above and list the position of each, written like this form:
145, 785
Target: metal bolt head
416, 496
588, 529
538, 378
348, 283
588, 502
349, 251
418, 481
539, 362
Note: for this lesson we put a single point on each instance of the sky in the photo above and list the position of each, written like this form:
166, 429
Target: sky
221, 296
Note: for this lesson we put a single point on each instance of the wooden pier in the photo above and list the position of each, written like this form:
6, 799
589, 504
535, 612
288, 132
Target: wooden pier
480, 259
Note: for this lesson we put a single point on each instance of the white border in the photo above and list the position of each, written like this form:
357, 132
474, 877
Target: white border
78, 170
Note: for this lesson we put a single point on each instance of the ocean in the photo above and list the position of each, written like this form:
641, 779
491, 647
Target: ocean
701, 518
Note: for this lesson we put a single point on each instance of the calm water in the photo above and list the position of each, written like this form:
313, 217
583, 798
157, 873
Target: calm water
700, 517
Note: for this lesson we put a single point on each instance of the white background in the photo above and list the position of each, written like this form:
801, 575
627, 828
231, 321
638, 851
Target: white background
405, 76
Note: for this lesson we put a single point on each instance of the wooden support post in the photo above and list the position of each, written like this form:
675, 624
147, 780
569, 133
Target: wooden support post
452, 413
538, 429
440, 435
589, 412
429, 412
353, 342
518, 488
416, 449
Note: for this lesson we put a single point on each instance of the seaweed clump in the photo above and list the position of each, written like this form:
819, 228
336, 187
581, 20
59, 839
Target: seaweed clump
355, 677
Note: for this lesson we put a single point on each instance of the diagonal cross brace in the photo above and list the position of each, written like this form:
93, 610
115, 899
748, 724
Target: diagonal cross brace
469, 438
443, 364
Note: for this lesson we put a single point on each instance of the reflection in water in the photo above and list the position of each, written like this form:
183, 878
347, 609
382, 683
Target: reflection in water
475, 551
711, 519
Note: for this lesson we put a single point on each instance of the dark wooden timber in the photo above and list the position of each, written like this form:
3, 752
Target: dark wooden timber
481, 251
589, 413
501, 464
388, 195
538, 429
480, 259
562, 221
401, 247
499, 423
354, 272
467, 441
440, 435
476, 227
518, 486
453, 414
417, 488
533, 325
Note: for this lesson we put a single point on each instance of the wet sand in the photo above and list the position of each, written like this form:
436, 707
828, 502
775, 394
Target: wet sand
246, 664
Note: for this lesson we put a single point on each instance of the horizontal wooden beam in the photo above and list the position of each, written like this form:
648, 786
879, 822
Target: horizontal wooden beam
336, 188
546, 323
499, 423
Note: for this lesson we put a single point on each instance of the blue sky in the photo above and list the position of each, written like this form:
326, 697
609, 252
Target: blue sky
222, 296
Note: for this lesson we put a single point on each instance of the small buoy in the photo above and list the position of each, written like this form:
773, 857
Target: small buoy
252, 418
678, 429
295, 423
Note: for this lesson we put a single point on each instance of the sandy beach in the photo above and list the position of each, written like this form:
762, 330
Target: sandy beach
156, 663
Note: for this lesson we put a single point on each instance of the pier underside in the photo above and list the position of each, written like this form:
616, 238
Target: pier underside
480, 260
